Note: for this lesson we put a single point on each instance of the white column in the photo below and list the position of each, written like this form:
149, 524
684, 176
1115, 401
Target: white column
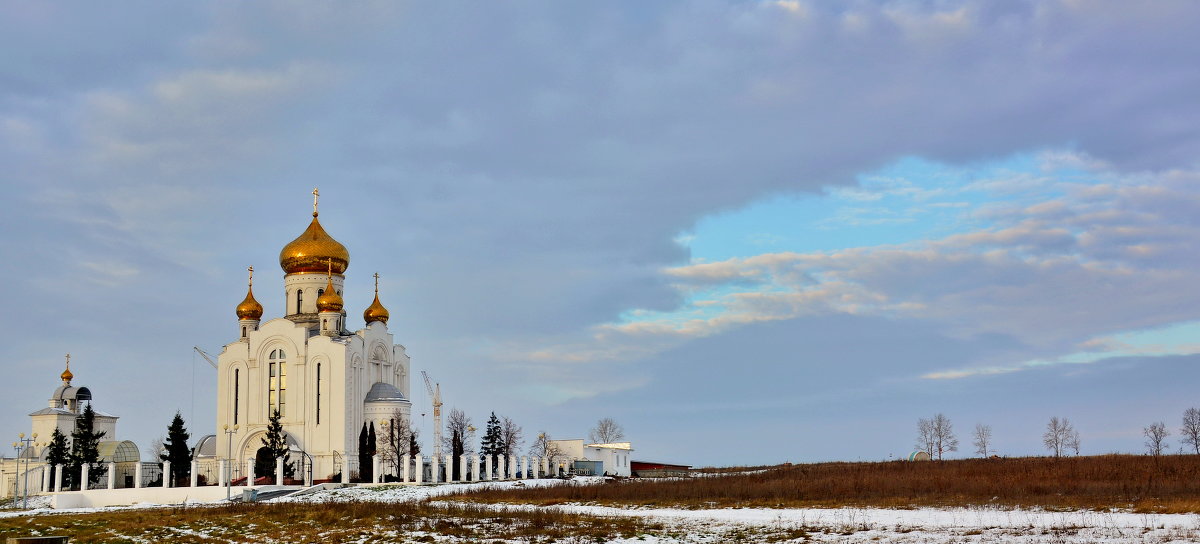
419, 467
500, 467
546, 467
112, 475
462, 469
487, 467
250, 472
537, 466
474, 468
46, 478
278, 471
346, 468
83, 476
58, 478
404, 460
375, 476
449, 468
525, 467
166, 473
137, 474
433, 462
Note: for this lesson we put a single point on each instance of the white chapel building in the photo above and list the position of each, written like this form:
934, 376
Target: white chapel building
326, 381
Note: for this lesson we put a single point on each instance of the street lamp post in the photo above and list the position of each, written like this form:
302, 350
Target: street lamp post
229, 432
24, 443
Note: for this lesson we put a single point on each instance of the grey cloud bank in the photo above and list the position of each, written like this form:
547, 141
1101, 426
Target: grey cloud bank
519, 173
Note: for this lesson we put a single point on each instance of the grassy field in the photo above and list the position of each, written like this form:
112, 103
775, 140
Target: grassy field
359, 522
1170, 484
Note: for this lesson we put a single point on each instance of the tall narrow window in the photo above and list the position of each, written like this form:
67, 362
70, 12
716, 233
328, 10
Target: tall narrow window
299, 299
277, 381
318, 393
237, 374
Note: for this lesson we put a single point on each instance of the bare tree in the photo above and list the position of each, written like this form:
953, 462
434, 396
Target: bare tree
1156, 438
512, 435
457, 440
925, 438
1191, 428
1060, 436
944, 439
607, 430
983, 439
395, 439
544, 446
157, 447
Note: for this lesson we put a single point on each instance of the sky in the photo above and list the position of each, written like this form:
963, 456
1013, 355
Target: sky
750, 232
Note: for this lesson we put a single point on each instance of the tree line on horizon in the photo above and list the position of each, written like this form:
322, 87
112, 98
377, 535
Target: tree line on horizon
936, 436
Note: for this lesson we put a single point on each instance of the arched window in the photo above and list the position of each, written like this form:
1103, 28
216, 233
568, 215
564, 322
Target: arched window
299, 299
318, 393
243, 332
237, 375
277, 382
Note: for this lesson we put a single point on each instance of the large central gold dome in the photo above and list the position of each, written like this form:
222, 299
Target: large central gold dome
312, 252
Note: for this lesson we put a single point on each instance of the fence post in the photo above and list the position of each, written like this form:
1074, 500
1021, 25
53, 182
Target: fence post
375, 465
250, 475
419, 468
404, 468
137, 475
278, 471
58, 470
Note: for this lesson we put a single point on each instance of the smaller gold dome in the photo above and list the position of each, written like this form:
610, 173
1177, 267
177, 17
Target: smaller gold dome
329, 301
249, 308
66, 375
376, 312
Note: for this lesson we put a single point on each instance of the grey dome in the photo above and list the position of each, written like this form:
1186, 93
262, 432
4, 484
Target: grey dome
384, 392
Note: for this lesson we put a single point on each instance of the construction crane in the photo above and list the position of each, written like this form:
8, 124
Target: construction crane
206, 356
435, 394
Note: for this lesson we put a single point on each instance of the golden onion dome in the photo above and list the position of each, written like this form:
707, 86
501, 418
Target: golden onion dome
376, 312
310, 252
66, 375
329, 301
249, 308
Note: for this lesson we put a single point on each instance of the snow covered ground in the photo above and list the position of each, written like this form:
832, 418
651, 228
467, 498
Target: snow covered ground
919, 525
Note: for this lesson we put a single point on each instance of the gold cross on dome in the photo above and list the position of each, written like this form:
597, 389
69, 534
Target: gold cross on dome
68, 360
316, 194
251, 270
377, 283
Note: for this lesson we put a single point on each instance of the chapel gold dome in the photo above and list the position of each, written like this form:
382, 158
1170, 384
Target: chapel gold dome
329, 301
376, 312
66, 375
249, 308
312, 252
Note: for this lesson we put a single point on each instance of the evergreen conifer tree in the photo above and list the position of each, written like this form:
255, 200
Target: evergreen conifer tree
85, 447
493, 443
178, 452
57, 452
276, 446
365, 451
414, 446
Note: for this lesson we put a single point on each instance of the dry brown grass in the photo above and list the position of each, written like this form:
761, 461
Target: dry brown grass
1170, 484
328, 523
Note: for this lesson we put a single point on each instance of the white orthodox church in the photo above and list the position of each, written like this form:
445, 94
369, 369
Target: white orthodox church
325, 381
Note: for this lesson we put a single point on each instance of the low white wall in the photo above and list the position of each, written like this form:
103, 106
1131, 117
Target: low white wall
152, 495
